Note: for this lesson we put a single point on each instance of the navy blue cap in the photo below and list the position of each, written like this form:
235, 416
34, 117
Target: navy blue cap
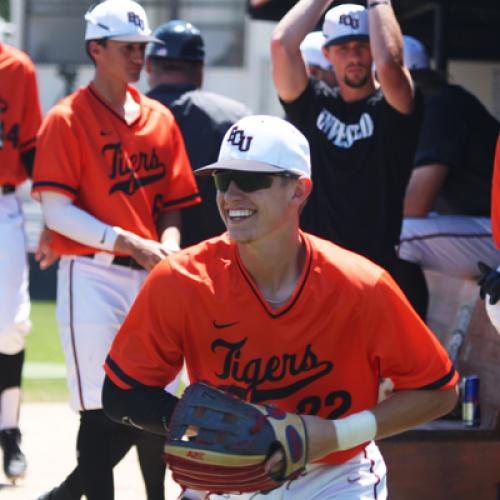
181, 40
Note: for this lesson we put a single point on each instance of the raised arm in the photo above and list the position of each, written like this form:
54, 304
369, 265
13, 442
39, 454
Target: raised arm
386, 42
289, 71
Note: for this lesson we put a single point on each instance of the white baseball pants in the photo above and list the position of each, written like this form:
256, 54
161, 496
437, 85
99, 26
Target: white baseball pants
14, 296
93, 299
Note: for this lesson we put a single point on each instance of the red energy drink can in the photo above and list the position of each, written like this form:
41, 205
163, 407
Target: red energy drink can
470, 401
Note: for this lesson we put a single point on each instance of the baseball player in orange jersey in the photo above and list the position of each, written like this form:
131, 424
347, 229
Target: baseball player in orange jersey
276, 315
20, 117
490, 278
112, 174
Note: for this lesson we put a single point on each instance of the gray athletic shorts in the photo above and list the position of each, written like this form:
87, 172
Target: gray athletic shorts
451, 244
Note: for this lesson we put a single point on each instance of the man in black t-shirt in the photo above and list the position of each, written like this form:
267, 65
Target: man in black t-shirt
447, 225
362, 135
175, 72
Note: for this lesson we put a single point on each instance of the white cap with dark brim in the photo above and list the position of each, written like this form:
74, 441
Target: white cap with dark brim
264, 144
345, 23
119, 20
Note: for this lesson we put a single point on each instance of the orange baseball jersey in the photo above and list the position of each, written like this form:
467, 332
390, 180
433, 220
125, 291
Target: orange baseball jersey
20, 113
495, 197
125, 175
322, 353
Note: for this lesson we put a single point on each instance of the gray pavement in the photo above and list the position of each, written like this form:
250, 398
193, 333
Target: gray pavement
49, 436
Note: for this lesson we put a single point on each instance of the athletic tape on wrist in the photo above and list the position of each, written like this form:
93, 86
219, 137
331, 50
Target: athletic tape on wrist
111, 233
355, 429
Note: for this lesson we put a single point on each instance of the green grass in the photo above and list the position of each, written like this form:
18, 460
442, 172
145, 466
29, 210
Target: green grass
43, 346
43, 341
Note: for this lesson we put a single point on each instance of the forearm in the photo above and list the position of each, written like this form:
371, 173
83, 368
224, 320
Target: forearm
63, 217
386, 39
403, 410
298, 22
289, 71
149, 408
169, 230
386, 43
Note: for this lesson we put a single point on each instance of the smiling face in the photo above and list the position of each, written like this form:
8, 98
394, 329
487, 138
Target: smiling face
352, 62
253, 216
120, 61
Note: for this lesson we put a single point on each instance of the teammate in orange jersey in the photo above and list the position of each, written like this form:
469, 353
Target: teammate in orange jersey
112, 174
20, 117
276, 315
489, 281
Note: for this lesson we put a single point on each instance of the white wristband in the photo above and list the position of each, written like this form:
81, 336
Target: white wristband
355, 429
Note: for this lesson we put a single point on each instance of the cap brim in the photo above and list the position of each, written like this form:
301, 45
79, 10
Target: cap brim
240, 166
345, 39
136, 39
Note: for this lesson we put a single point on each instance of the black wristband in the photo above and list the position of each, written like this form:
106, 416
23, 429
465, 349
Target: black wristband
378, 2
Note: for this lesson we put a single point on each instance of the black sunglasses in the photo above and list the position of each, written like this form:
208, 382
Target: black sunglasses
247, 181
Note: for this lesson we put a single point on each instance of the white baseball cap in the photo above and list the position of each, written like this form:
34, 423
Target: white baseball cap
311, 50
415, 55
120, 20
262, 143
344, 23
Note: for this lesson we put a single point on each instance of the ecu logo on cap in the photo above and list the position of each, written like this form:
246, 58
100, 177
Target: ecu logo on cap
134, 18
349, 20
238, 138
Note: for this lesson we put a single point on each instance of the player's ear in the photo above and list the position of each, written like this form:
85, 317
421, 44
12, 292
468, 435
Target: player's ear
302, 190
94, 48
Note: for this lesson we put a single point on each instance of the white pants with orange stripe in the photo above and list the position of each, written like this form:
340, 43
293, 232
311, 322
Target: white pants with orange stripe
93, 299
363, 477
14, 297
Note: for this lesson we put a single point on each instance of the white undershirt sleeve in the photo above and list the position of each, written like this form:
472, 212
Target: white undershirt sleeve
63, 217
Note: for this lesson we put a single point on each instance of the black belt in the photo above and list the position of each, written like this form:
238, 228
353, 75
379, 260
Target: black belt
7, 188
121, 260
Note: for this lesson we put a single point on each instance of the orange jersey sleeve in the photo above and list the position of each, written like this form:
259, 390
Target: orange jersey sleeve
148, 347
495, 197
20, 112
401, 345
123, 174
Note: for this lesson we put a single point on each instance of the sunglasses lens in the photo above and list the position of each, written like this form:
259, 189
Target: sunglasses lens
246, 181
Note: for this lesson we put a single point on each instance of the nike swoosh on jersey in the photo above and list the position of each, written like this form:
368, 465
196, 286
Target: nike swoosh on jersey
220, 326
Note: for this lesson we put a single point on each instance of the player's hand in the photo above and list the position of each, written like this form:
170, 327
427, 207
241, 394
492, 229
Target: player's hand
147, 253
45, 254
170, 246
322, 441
489, 283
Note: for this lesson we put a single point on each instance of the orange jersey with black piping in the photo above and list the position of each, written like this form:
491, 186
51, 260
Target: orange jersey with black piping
495, 197
20, 113
123, 174
322, 353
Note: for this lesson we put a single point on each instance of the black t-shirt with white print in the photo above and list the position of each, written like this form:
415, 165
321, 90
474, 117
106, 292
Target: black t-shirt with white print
362, 154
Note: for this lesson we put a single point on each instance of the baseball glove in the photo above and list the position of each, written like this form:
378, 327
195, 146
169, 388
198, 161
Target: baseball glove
220, 444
